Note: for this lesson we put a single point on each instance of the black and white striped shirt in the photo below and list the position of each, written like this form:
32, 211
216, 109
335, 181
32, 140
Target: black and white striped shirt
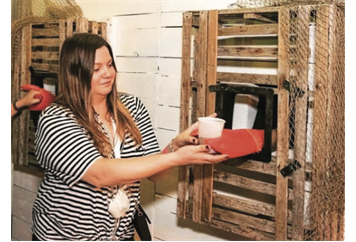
67, 208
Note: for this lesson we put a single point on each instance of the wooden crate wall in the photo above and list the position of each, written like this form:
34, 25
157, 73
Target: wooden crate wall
264, 211
40, 48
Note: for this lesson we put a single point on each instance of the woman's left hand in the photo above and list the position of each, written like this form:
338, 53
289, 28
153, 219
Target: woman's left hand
185, 138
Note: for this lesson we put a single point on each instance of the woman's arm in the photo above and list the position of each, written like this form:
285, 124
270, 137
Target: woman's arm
106, 172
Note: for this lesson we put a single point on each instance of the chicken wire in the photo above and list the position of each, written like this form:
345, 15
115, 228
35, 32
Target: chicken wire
313, 33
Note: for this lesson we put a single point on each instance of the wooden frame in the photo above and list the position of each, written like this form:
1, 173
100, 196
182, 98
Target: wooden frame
283, 219
40, 47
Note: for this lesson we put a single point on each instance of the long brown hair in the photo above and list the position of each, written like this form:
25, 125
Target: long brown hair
76, 68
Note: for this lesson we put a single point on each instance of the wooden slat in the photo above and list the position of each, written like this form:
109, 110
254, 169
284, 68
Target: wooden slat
45, 42
231, 13
248, 183
209, 109
25, 79
247, 232
255, 16
261, 29
201, 65
93, 27
81, 25
42, 55
282, 132
184, 104
103, 30
69, 27
51, 32
248, 51
300, 123
46, 67
247, 206
246, 220
247, 78
61, 34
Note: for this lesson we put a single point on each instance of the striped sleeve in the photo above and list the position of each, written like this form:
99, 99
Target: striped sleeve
63, 148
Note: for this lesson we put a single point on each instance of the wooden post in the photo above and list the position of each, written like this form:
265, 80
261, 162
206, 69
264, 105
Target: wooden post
184, 105
25, 79
283, 132
200, 70
209, 109
301, 82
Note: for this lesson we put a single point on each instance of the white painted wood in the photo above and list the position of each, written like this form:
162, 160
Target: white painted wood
171, 67
96, 8
26, 181
137, 21
168, 118
165, 136
141, 85
137, 42
248, 70
137, 64
188, 5
170, 42
173, 19
169, 91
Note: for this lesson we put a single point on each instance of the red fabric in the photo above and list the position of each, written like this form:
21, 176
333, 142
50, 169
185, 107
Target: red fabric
237, 142
45, 96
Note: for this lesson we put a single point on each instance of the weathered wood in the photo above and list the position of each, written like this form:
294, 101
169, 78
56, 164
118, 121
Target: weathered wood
61, 34
261, 29
231, 13
245, 220
247, 232
247, 183
301, 81
256, 166
248, 51
209, 109
184, 104
247, 78
201, 65
282, 132
93, 27
81, 25
25, 79
41, 32
46, 67
42, 55
255, 16
253, 207
69, 27
103, 30
45, 42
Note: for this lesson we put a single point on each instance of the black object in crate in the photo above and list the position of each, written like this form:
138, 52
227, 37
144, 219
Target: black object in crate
265, 118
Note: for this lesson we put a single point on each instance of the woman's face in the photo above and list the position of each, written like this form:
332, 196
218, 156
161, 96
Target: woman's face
103, 75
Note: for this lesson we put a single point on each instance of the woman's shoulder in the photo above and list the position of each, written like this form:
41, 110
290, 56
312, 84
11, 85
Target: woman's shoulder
57, 110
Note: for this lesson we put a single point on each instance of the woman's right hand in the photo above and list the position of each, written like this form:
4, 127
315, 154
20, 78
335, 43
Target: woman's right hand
197, 155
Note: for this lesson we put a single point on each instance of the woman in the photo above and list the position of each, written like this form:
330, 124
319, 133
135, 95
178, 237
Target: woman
95, 145
25, 102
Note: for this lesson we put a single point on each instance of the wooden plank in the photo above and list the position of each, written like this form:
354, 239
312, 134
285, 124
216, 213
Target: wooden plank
52, 32
200, 71
248, 183
209, 109
247, 206
223, 13
283, 130
320, 149
93, 27
247, 78
260, 29
184, 104
255, 16
103, 30
69, 27
255, 166
245, 220
301, 81
25, 79
45, 42
45, 55
61, 34
247, 232
46, 67
248, 51
81, 25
